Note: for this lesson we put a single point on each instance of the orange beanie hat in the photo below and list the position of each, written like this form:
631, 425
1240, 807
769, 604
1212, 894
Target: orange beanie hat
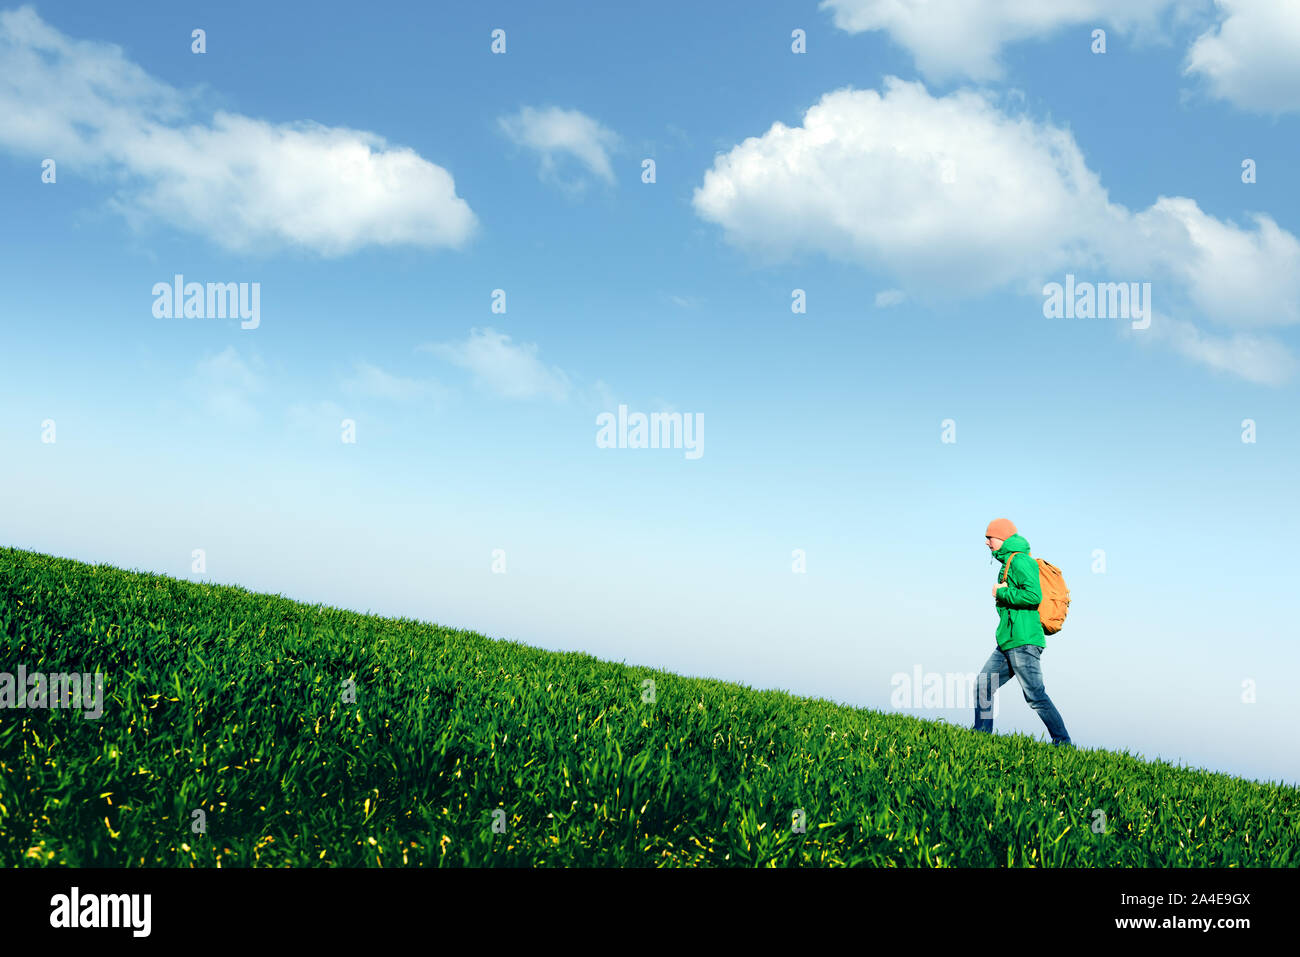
1002, 528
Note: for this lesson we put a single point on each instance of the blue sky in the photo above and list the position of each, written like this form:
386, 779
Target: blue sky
921, 172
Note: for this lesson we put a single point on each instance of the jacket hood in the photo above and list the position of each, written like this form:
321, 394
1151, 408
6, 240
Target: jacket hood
1016, 543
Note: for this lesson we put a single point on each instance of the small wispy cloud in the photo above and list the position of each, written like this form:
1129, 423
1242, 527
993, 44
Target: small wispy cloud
889, 297
602, 395
321, 420
554, 133
1255, 358
503, 367
224, 384
372, 381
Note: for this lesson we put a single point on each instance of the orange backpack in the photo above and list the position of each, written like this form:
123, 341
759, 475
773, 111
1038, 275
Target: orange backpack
1056, 597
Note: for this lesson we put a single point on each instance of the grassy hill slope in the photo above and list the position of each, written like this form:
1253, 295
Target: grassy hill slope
461, 750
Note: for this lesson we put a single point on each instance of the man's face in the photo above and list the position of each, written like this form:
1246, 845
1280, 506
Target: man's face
993, 543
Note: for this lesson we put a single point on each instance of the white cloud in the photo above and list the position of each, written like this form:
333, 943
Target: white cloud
863, 181
554, 132
950, 38
1234, 276
953, 197
889, 297
603, 396
1248, 58
371, 380
241, 182
1258, 359
301, 413
660, 404
685, 302
224, 384
1252, 58
508, 370
321, 420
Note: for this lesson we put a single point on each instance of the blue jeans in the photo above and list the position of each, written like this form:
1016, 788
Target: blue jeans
1023, 663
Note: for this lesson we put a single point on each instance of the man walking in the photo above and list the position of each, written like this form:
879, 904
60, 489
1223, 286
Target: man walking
1019, 635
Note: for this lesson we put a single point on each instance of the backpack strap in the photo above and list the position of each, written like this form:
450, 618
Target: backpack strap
1006, 569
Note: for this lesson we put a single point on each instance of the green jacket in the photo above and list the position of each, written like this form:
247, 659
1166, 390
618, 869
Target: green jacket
1017, 604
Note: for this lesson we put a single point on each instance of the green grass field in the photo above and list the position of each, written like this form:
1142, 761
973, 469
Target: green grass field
234, 703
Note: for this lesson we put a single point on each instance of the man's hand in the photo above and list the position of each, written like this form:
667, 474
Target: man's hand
997, 586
